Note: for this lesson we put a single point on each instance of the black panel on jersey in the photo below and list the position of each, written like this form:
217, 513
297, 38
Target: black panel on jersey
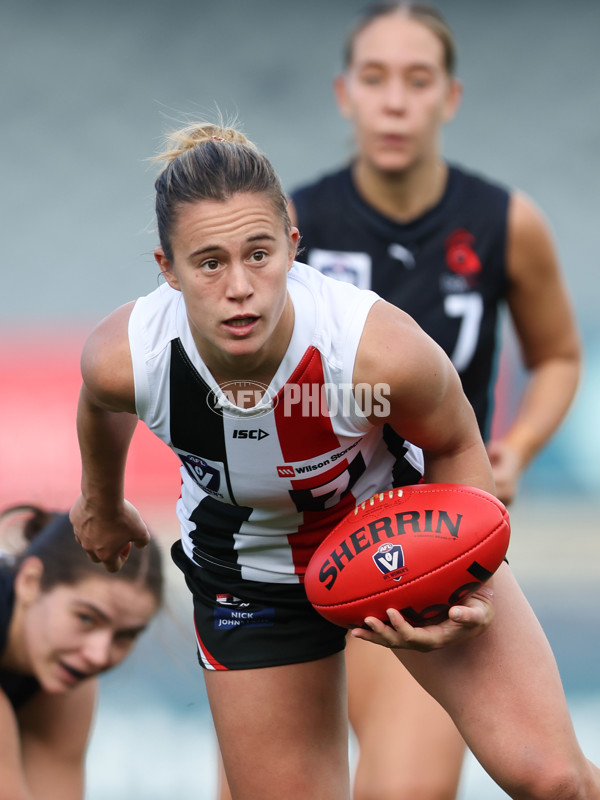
414, 266
196, 426
213, 538
18, 688
403, 473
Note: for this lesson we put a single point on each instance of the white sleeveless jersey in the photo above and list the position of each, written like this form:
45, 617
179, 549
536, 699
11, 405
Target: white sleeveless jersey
262, 486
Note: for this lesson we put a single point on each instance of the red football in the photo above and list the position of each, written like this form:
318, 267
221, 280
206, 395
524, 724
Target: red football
420, 549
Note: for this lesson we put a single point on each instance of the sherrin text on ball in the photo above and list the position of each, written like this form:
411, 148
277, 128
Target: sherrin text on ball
420, 549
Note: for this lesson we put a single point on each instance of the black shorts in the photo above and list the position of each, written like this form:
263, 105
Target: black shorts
249, 624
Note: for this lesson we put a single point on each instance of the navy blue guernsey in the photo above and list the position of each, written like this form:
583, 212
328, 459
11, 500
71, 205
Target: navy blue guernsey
447, 268
18, 688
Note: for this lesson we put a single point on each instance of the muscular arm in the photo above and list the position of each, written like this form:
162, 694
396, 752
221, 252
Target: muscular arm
549, 341
428, 408
427, 404
104, 522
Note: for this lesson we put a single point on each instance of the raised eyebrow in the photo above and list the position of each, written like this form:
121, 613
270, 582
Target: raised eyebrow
91, 607
259, 237
136, 630
213, 248
204, 251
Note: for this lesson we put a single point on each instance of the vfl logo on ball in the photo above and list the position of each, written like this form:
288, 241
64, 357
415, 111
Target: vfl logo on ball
389, 559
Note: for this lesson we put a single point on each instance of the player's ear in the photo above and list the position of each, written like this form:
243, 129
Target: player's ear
28, 580
340, 90
453, 99
166, 267
294, 239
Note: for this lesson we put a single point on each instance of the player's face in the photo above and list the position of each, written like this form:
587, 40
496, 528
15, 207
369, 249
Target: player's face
230, 262
397, 93
72, 633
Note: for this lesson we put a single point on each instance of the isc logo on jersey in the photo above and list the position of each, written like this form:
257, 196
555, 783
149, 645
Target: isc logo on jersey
249, 433
389, 559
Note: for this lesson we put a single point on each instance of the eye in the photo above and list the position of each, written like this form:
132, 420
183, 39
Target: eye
258, 256
211, 265
372, 79
421, 81
87, 620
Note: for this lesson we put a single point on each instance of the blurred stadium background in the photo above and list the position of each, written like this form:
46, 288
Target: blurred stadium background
88, 91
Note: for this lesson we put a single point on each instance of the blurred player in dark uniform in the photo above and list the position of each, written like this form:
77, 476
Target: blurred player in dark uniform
449, 247
63, 622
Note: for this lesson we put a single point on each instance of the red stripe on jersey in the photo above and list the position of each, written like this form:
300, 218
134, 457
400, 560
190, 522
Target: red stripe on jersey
209, 661
316, 526
304, 430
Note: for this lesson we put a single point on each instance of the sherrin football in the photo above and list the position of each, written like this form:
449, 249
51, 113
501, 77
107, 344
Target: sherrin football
420, 549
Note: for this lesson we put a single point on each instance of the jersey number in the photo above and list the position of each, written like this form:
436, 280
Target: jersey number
469, 309
326, 495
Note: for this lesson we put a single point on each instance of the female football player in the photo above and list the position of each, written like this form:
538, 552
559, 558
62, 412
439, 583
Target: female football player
63, 622
289, 397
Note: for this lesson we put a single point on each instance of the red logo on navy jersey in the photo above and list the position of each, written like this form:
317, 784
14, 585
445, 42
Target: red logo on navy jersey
461, 258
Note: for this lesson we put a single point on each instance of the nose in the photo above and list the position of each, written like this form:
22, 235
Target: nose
395, 95
239, 285
98, 650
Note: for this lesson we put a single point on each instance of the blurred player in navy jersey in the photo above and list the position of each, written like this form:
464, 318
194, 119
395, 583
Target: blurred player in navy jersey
63, 622
450, 248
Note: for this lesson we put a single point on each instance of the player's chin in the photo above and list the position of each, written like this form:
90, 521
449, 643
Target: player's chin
392, 163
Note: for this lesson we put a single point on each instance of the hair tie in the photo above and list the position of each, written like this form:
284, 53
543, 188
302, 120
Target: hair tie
218, 138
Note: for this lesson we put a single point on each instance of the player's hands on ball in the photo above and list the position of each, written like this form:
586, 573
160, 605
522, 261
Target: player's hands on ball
107, 536
464, 622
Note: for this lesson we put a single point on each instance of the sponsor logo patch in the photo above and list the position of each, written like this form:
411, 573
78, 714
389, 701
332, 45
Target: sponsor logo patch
350, 267
249, 433
226, 616
285, 472
204, 473
231, 600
